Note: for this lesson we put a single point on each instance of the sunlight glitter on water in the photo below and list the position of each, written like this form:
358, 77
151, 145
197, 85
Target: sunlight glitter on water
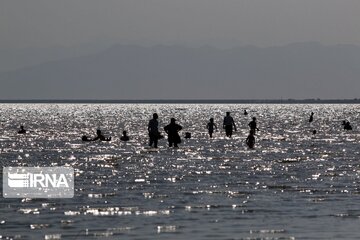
208, 188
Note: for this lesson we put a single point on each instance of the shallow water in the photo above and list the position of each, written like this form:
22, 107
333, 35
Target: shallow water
294, 185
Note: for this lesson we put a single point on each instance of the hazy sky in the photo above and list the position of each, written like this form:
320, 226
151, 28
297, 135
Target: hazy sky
42, 23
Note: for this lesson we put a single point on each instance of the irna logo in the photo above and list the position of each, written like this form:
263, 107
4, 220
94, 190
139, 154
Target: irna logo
29, 180
38, 182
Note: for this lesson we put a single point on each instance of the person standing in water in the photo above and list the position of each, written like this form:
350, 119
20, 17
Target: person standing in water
347, 125
229, 124
173, 133
253, 125
22, 130
245, 112
211, 126
311, 117
250, 140
153, 128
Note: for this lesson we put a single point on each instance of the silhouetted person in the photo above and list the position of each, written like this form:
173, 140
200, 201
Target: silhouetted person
229, 124
250, 140
22, 130
173, 133
211, 126
99, 136
311, 117
245, 112
124, 137
253, 124
314, 132
153, 128
347, 125
85, 138
187, 135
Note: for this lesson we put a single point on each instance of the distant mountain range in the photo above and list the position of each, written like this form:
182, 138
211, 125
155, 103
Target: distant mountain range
299, 71
14, 59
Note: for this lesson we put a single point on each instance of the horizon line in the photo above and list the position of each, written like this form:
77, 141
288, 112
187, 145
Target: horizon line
254, 101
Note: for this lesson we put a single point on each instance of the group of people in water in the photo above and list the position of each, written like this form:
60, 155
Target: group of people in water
172, 130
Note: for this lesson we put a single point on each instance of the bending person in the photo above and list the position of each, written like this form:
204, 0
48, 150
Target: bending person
250, 140
172, 131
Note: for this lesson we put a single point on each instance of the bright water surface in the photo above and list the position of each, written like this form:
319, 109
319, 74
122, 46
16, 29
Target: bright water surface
294, 185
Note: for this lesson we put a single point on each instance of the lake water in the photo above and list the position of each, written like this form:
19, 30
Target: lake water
293, 185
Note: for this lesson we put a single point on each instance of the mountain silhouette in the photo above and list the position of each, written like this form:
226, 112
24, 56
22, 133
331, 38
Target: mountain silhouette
299, 70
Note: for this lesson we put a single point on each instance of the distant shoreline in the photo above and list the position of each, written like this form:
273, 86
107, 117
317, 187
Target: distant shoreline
191, 101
